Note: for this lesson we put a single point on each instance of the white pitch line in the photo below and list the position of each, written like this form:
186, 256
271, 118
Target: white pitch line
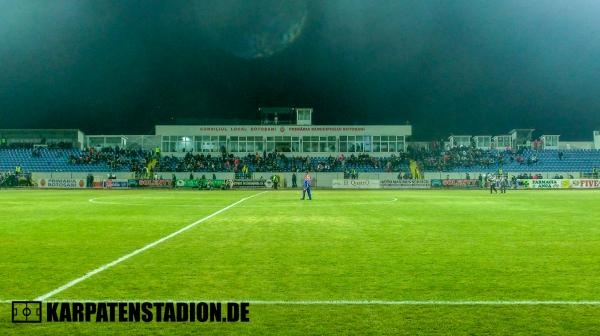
367, 302
425, 303
140, 250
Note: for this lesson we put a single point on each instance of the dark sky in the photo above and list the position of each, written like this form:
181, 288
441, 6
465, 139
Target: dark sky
456, 66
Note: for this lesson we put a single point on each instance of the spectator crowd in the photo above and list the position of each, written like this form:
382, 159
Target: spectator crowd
435, 158
139, 160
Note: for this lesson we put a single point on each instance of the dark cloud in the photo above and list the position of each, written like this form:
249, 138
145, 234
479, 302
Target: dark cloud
463, 66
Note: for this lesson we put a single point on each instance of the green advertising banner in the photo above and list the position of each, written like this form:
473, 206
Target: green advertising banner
436, 183
191, 183
200, 183
218, 183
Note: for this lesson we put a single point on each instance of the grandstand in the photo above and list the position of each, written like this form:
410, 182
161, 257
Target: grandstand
58, 160
547, 160
270, 147
47, 160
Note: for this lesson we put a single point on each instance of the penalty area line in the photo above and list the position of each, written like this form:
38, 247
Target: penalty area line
140, 250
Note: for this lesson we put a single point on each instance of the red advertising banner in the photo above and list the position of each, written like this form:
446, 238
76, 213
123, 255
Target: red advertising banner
155, 183
459, 183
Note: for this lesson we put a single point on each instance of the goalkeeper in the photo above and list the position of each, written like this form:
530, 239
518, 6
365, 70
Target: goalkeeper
306, 189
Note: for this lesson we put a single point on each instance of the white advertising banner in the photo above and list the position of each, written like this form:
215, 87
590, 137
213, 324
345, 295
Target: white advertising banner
405, 184
548, 184
560, 183
355, 184
61, 183
116, 184
585, 184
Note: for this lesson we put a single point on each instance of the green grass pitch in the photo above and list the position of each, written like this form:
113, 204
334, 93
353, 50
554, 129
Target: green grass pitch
355, 246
